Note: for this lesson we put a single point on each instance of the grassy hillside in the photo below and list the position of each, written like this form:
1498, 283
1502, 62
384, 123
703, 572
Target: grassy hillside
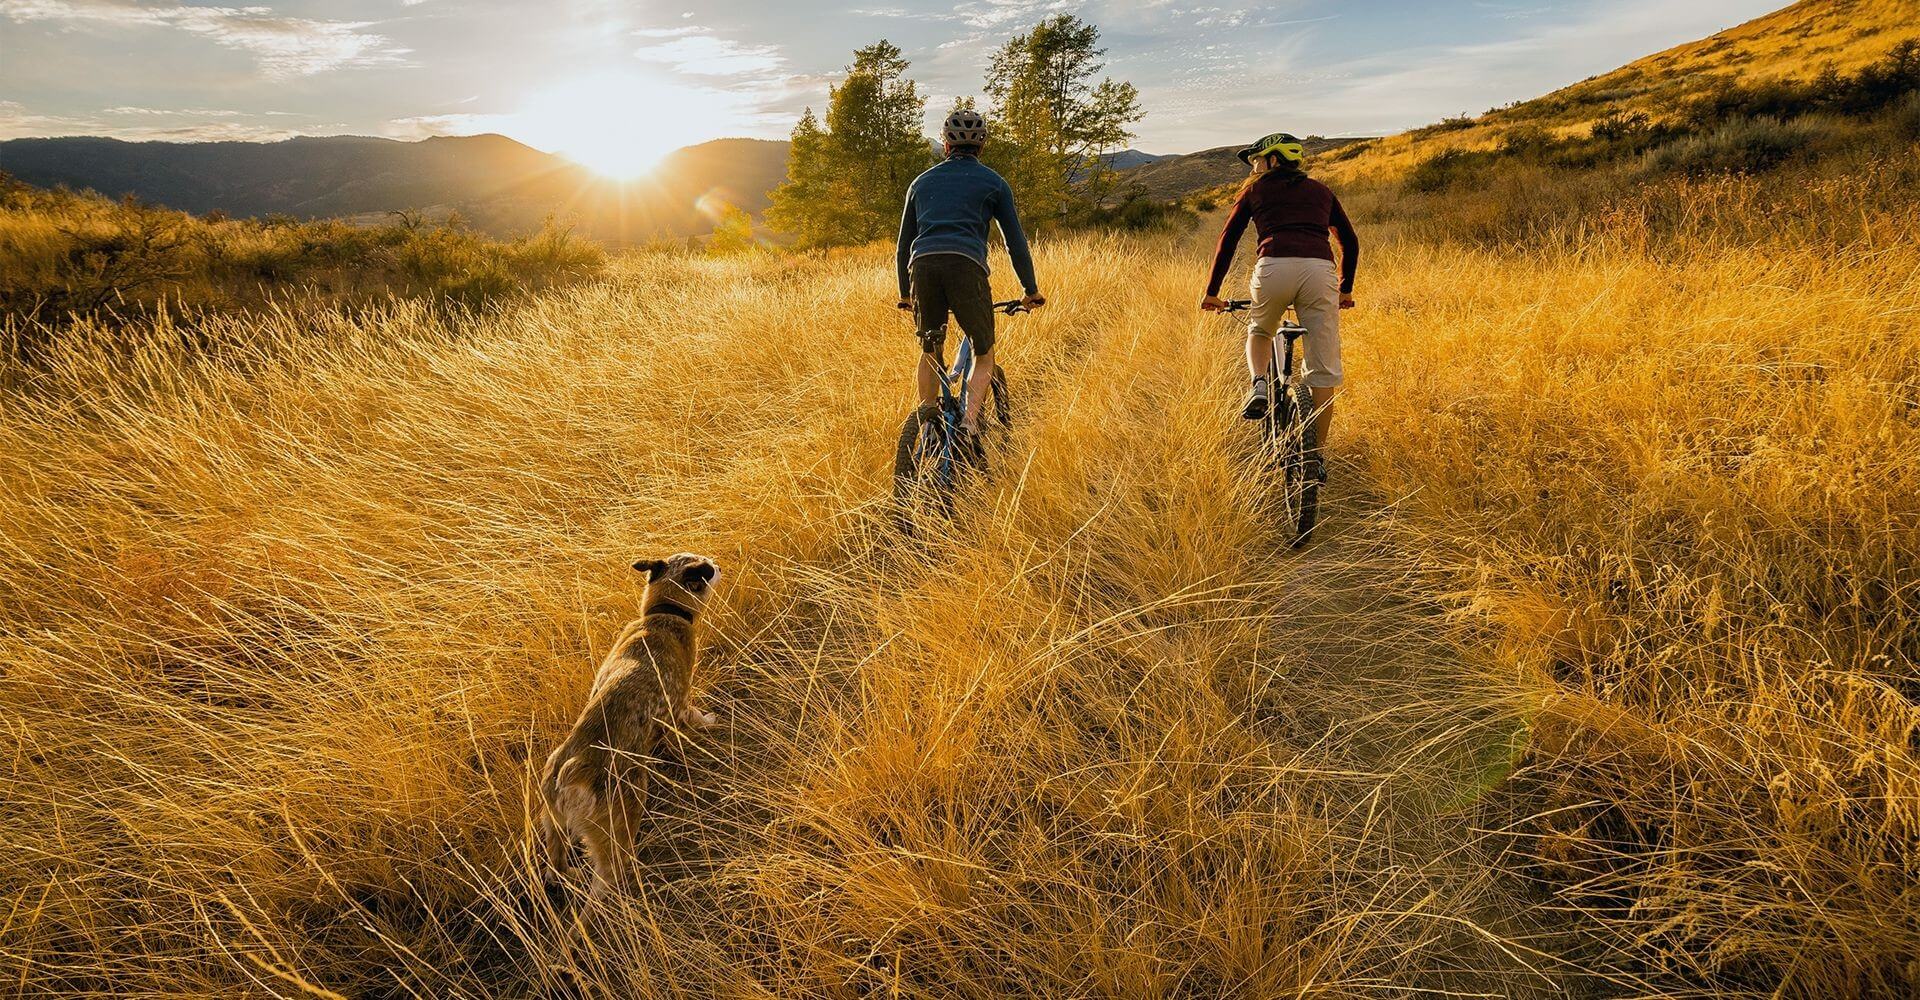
1794, 45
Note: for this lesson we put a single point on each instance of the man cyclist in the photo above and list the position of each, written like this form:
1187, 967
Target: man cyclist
942, 262
1291, 215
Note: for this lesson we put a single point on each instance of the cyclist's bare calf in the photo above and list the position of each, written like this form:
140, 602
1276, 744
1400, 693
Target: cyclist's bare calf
926, 382
1260, 366
1322, 414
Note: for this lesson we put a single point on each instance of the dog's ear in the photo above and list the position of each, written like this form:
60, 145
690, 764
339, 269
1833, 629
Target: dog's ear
652, 567
702, 572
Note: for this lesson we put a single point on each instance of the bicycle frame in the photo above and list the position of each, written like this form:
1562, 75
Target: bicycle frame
1280, 365
953, 405
1289, 404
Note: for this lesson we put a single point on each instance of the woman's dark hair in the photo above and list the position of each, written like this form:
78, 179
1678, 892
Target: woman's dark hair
1277, 165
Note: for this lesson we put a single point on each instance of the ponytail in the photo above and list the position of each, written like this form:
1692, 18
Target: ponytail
1282, 167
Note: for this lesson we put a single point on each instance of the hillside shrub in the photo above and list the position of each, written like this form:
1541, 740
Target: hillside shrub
1525, 140
1445, 125
1141, 212
1906, 118
1441, 171
1741, 146
1622, 126
1875, 87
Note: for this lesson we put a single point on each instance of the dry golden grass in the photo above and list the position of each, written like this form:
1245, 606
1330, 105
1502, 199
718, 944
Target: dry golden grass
293, 603
64, 253
287, 624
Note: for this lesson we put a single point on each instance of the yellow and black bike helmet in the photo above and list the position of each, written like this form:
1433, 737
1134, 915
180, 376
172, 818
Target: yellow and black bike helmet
1280, 144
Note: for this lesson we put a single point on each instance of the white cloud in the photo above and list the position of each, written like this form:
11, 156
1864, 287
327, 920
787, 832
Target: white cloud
283, 46
173, 112
17, 122
423, 126
691, 50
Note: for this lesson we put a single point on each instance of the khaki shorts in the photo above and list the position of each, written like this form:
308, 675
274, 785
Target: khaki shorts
1312, 287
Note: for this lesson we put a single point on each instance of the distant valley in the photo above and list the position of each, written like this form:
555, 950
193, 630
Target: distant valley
496, 183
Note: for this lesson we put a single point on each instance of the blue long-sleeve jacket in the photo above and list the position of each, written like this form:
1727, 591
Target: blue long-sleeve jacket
948, 208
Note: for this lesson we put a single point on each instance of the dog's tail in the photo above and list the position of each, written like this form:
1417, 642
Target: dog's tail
574, 781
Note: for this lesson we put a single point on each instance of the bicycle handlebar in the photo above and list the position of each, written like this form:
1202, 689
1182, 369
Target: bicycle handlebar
1238, 305
1012, 307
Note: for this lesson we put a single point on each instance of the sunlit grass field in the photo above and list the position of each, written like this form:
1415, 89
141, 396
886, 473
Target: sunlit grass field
1599, 679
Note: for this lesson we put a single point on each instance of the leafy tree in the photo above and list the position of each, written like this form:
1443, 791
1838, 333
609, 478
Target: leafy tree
1051, 121
846, 180
732, 233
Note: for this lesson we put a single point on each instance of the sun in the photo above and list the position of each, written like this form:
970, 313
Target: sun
618, 124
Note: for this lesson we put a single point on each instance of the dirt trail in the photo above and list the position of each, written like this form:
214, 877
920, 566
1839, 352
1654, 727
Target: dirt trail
1411, 738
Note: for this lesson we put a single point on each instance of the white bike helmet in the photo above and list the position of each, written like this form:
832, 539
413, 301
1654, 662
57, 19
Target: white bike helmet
965, 127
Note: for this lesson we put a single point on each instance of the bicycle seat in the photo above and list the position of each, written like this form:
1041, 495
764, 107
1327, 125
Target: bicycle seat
1292, 330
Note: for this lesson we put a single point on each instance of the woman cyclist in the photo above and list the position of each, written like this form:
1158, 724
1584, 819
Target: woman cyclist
1291, 215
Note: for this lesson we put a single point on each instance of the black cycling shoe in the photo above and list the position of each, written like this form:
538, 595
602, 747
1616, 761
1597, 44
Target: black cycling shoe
1257, 403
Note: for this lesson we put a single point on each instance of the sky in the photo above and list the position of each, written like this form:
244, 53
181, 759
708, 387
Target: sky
616, 83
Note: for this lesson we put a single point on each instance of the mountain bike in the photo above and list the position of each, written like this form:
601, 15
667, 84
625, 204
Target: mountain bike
928, 461
1286, 432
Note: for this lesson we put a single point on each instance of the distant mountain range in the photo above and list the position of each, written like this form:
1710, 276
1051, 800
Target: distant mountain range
498, 184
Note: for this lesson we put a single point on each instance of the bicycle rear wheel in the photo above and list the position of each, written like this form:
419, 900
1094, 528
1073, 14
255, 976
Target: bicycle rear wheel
926, 468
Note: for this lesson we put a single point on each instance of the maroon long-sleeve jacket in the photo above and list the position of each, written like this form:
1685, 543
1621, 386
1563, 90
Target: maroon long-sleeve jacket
1291, 214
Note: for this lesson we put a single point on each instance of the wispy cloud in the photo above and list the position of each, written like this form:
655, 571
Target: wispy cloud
283, 46
693, 51
182, 125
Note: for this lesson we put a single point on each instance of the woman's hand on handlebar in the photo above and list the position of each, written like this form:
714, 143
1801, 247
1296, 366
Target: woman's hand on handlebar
1212, 303
1346, 300
1033, 301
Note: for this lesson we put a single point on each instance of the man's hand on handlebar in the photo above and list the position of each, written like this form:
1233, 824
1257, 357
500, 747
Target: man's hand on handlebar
1033, 301
905, 305
1212, 303
1346, 300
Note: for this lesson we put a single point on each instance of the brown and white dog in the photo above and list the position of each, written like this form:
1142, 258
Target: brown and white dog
595, 783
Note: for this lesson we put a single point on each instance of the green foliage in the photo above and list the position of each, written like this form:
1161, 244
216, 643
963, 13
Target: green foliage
846, 179
1872, 89
1525, 140
64, 254
1443, 170
1906, 118
1445, 125
1622, 126
1743, 145
1052, 122
1138, 211
732, 234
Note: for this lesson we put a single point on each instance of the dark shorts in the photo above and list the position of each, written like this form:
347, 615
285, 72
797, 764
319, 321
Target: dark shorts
956, 283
